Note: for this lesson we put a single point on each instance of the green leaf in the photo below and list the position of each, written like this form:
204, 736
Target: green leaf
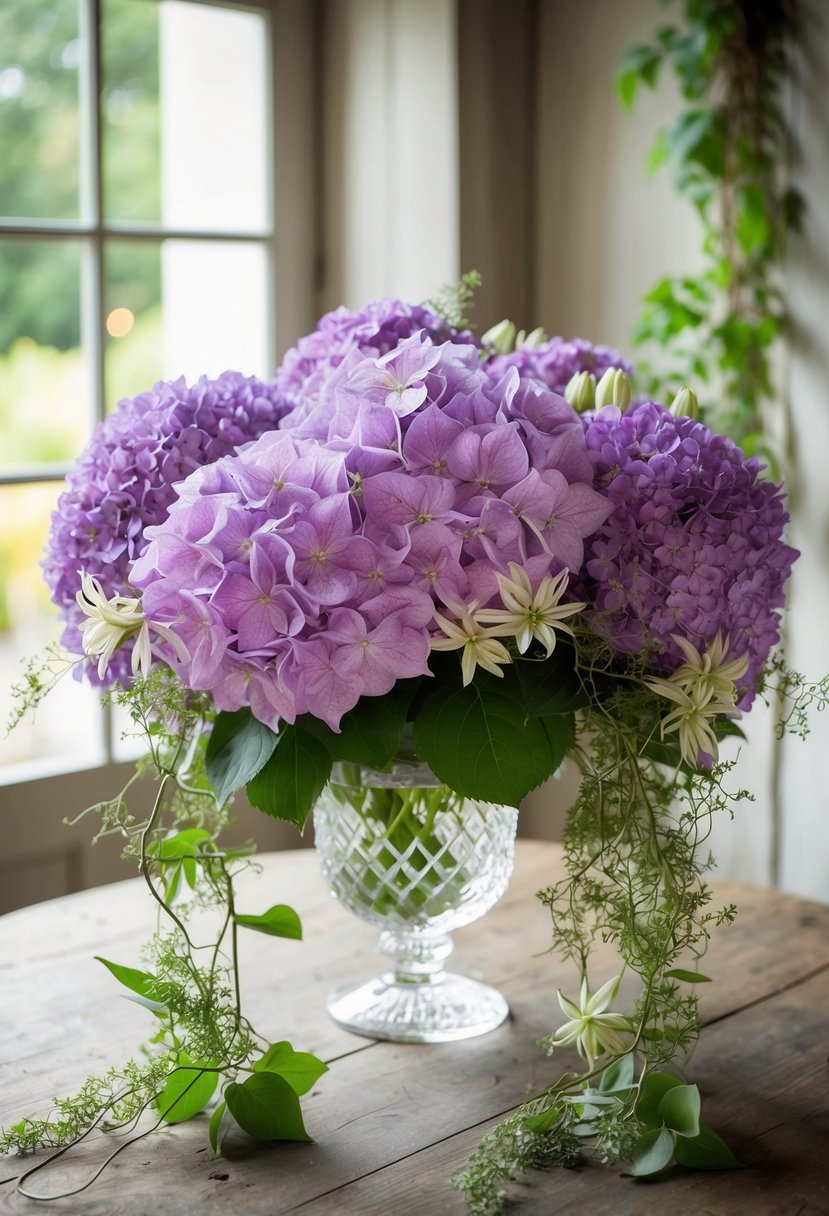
653, 1090
371, 732
479, 741
278, 921
137, 981
687, 977
706, 1152
214, 1128
639, 63
617, 1076
752, 226
187, 1091
266, 1107
299, 1068
238, 747
725, 728
293, 778
679, 1110
543, 1121
658, 153
547, 686
653, 1151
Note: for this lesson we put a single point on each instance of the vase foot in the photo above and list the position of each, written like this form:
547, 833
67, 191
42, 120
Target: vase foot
446, 1008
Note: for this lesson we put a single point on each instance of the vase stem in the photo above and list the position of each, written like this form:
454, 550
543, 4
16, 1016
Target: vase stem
417, 958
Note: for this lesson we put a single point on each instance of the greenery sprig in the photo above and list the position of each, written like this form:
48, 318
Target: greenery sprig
729, 151
203, 1042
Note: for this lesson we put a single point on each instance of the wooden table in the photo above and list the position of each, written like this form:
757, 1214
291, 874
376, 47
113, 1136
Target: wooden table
392, 1123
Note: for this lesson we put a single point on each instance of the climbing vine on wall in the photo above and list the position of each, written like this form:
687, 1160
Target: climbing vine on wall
729, 150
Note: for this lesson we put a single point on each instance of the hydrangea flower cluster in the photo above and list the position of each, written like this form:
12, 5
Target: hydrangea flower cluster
123, 482
694, 545
374, 330
556, 361
305, 572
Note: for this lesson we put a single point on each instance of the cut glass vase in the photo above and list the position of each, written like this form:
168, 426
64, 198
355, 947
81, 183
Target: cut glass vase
402, 851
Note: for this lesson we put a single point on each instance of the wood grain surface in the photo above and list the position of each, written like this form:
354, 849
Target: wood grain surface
393, 1123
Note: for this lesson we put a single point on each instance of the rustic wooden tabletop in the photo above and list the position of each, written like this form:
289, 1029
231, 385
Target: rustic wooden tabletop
392, 1123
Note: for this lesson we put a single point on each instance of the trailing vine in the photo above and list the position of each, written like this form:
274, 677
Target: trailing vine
729, 150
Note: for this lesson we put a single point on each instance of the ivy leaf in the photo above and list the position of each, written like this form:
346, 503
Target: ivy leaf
479, 741
213, 1130
238, 747
299, 1068
137, 981
653, 1089
186, 1092
706, 1152
293, 778
679, 1110
266, 1107
687, 977
653, 1151
617, 1076
278, 921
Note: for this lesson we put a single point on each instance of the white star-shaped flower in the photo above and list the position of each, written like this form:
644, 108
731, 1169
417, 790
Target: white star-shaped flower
592, 1027
479, 645
527, 614
111, 621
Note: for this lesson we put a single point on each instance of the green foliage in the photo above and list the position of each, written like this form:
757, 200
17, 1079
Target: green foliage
455, 300
293, 778
239, 746
202, 1038
728, 152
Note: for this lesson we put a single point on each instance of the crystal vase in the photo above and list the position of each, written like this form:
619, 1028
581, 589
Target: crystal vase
406, 853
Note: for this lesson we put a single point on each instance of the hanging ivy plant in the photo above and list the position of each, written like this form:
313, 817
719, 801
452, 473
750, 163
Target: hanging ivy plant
729, 149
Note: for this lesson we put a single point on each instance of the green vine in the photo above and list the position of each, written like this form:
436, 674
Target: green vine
729, 150
204, 1050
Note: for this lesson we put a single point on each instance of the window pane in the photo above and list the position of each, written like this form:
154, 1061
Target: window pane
129, 110
185, 115
133, 318
67, 725
40, 56
44, 390
185, 308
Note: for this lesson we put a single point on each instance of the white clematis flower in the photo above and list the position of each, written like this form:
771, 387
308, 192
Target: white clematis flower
592, 1027
480, 647
712, 672
527, 614
112, 621
691, 718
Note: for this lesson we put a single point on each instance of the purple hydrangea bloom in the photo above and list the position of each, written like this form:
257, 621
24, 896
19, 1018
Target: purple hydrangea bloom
694, 544
374, 330
304, 572
124, 481
556, 361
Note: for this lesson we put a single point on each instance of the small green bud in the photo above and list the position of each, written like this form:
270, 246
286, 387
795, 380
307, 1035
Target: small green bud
614, 389
581, 391
685, 404
533, 340
501, 338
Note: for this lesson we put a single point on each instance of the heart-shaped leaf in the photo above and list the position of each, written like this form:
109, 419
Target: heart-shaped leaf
238, 747
299, 1068
266, 1107
278, 921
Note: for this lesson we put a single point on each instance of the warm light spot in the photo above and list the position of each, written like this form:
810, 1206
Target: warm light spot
119, 322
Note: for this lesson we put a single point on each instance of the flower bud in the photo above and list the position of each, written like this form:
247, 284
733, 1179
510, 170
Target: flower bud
501, 338
581, 392
533, 340
614, 389
685, 404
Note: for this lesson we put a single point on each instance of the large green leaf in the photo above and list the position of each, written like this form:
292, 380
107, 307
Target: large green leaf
370, 733
266, 1107
679, 1110
299, 1068
278, 921
652, 1091
479, 741
137, 981
652, 1152
549, 686
618, 1076
238, 747
293, 778
705, 1152
187, 1091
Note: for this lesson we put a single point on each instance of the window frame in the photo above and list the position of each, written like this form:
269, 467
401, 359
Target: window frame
292, 264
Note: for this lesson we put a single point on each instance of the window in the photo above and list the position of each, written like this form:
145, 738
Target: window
136, 243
